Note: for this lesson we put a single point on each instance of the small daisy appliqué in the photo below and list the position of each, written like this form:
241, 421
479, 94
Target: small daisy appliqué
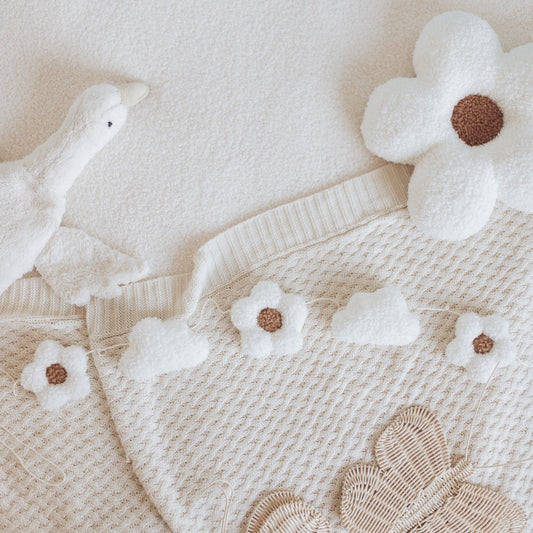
270, 321
57, 375
481, 343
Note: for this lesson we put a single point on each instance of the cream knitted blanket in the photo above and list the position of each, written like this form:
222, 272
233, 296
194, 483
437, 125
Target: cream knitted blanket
299, 423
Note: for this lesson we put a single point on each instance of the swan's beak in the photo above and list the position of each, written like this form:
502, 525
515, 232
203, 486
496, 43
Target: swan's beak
133, 93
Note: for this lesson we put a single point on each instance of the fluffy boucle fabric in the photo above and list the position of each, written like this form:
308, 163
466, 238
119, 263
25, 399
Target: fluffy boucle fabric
70, 364
157, 347
269, 320
381, 318
464, 122
481, 343
33, 190
78, 266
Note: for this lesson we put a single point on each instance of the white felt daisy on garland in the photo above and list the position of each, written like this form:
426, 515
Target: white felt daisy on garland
57, 375
465, 122
270, 321
481, 343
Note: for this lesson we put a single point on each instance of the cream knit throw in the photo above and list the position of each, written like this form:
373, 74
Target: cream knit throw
294, 423
101, 493
299, 423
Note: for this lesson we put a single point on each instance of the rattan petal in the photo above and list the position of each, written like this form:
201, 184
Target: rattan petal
284, 512
415, 488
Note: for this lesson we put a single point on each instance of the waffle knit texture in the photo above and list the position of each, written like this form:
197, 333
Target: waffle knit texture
101, 493
299, 423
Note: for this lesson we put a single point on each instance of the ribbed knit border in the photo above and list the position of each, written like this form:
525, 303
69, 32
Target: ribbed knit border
251, 243
32, 297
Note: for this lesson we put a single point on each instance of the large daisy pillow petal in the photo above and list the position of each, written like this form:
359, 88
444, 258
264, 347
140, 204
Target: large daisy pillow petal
465, 122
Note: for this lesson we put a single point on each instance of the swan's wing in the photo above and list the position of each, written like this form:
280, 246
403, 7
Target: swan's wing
411, 453
475, 510
78, 266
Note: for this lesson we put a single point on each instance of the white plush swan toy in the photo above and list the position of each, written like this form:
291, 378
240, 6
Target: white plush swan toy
32, 203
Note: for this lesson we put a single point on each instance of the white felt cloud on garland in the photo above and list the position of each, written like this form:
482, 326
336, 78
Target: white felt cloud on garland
381, 317
464, 122
157, 347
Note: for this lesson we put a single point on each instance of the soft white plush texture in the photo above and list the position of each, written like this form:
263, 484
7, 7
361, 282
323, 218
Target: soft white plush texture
78, 266
157, 347
257, 342
381, 317
461, 351
73, 359
32, 200
252, 104
454, 186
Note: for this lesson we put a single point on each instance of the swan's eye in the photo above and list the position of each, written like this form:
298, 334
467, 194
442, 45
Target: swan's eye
109, 124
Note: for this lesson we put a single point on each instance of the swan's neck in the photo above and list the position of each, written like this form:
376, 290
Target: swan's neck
57, 162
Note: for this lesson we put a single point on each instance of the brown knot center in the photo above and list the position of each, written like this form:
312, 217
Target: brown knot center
477, 119
269, 319
483, 344
56, 374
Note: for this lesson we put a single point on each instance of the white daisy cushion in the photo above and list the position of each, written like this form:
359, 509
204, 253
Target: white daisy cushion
465, 122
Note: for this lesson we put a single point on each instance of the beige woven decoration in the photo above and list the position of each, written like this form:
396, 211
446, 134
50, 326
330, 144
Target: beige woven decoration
284, 512
415, 489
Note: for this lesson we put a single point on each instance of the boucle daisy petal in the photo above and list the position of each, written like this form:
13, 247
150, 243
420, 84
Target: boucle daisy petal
480, 369
505, 352
452, 193
293, 310
57, 375
513, 162
496, 327
268, 292
401, 120
456, 48
287, 341
244, 313
516, 81
380, 318
47, 353
74, 359
157, 347
256, 343
468, 325
460, 351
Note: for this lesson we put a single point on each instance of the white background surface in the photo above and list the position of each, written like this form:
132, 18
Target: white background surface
254, 103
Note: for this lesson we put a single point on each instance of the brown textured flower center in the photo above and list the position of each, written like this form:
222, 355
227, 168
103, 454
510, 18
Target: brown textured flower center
482, 344
56, 374
477, 119
269, 319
